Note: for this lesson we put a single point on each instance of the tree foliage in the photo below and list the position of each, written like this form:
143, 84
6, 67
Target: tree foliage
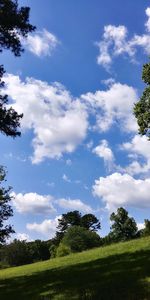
69, 219
5, 208
78, 238
16, 253
14, 25
146, 230
90, 222
9, 118
22, 252
123, 227
142, 107
62, 250
74, 218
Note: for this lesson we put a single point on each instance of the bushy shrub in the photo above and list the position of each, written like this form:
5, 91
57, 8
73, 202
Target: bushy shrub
52, 251
63, 250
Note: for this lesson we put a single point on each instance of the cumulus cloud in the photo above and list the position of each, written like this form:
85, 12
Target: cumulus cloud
113, 106
47, 228
103, 151
58, 121
76, 204
122, 190
33, 203
115, 42
139, 147
41, 43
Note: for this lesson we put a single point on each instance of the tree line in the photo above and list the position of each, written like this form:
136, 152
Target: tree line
75, 233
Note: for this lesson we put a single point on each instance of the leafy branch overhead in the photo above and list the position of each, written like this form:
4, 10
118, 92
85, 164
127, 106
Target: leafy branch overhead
14, 25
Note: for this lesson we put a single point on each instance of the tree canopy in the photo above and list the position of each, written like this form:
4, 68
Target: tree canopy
123, 227
74, 218
14, 25
5, 208
78, 238
142, 107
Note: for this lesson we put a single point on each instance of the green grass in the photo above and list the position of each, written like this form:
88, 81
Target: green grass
120, 271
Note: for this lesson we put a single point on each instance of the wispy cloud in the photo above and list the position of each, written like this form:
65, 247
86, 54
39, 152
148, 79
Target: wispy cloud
42, 43
103, 151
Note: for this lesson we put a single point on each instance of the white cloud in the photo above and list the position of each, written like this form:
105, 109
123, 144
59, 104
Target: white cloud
113, 36
115, 105
103, 151
140, 226
68, 162
140, 148
58, 121
115, 42
89, 145
138, 145
147, 24
23, 237
65, 178
33, 203
51, 184
47, 228
41, 43
135, 168
140, 41
108, 82
74, 205
122, 190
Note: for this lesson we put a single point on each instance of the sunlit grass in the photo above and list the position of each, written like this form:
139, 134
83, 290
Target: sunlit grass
119, 271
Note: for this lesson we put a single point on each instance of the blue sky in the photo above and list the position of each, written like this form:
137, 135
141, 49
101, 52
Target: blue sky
76, 84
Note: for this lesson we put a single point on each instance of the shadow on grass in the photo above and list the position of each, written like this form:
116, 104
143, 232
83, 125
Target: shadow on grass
118, 277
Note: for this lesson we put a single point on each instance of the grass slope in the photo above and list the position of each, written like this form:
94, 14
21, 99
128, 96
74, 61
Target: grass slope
120, 271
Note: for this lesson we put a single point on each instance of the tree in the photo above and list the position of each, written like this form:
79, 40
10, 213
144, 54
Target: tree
69, 219
5, 209
39, 250
146, 230
16, 253
14, 25
123, 227
147, 227
9, 118
74, 218
78, 238
90, 222
142, 107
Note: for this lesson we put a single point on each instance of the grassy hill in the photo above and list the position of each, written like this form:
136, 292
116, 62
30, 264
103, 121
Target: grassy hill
120, 271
